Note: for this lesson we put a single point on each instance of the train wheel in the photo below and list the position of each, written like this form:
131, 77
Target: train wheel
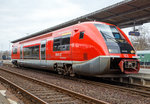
60, 71
65, 70
71, 73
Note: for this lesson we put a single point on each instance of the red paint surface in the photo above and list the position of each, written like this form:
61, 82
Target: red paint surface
91, 46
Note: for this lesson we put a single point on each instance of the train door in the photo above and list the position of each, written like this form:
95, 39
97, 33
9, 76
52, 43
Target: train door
43, 54
21, 49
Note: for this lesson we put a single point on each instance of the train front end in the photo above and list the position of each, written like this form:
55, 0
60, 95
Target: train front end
120, 50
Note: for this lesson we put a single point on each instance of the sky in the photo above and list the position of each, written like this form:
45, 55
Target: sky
19, 18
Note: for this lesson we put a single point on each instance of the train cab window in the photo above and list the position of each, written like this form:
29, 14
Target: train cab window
81, 35
14, 50
117, 35
62, 43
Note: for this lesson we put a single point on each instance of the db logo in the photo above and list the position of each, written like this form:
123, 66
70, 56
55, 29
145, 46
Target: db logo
125, 55
58, 54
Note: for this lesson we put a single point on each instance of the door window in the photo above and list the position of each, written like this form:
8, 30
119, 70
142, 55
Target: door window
43, 50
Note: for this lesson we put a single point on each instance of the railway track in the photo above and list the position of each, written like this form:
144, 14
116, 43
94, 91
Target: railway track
135, 89
44, 93
139, 92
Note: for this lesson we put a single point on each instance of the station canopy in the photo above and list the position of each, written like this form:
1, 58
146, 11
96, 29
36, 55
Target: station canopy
123, 14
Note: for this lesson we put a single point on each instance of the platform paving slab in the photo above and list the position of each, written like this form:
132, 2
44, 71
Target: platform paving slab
7, 97
3, 99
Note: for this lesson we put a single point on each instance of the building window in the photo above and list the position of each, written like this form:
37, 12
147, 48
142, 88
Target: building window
31, 52
14, 50
81, 35
62, 43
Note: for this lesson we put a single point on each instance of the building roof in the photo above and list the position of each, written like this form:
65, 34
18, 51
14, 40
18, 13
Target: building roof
123, 14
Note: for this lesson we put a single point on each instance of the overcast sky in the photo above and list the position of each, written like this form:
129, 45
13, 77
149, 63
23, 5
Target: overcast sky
19, 18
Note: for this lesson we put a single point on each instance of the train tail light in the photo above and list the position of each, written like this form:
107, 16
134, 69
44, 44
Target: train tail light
128, 66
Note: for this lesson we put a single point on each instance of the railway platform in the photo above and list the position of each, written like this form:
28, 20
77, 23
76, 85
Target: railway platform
7, 97
144, 70
3, 99
142, 78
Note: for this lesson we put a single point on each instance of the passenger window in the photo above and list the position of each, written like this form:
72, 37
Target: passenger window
81, 35
62, 43
31, 52
56, 44
14, 50
65, 43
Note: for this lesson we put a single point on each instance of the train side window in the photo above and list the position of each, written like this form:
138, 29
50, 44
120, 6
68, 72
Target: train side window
14, 50
81, 35
65, 43
62, 43
26, 52
31, 52
35, 52
56, 44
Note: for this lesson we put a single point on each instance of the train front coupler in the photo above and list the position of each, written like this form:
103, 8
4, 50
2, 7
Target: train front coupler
128, 66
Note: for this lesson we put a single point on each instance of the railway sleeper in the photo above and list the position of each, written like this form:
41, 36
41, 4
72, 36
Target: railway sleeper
57, 97
51, 96
60, 99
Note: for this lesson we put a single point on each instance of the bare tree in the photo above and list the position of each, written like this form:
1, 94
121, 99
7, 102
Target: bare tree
142, 42
1, 55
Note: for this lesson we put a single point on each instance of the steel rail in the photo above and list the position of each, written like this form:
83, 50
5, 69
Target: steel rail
145, 92
61, 89
23, 90
132, 90
135, 89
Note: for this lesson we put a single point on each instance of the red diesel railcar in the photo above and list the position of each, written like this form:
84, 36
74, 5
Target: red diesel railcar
88, 48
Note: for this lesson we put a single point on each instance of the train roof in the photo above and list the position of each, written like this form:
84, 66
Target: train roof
123, 14
143, 52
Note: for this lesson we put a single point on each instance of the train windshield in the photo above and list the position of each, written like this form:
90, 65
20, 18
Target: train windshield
115, 42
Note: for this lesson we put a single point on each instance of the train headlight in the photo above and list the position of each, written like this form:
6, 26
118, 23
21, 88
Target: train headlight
113, 50
132, 51
110, 50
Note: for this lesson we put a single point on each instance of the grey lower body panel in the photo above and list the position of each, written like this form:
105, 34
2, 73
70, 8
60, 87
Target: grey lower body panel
43, 64
40, 64
97, 66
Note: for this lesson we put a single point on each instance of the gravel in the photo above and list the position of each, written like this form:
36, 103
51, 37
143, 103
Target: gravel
111, 95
